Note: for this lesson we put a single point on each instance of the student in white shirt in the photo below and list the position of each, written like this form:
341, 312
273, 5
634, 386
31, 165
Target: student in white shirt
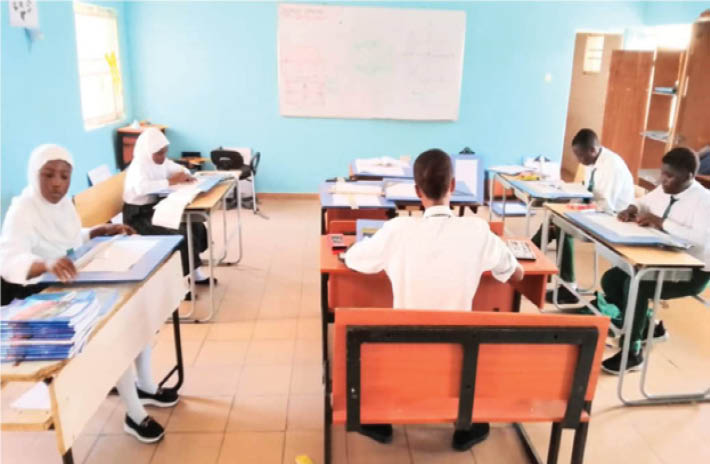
434, 262
679, 206
40, 227
149, 172
609, 180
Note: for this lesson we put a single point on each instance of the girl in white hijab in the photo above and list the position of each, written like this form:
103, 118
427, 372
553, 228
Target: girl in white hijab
149, 172
40, 227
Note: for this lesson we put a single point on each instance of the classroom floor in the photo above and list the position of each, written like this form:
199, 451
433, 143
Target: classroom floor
253, 390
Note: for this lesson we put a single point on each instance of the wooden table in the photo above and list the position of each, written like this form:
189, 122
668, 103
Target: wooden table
127, 137
640, 263
78, 386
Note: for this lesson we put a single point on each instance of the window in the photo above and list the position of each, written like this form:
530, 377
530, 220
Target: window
593, 51
99, 65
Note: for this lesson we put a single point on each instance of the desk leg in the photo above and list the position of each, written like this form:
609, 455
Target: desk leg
545, 231
68, 457
325, 314
208, 221
505, 201
322, 221
528, 215
179, 366
191, 264
517, 299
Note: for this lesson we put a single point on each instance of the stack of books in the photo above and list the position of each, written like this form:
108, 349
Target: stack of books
51, 326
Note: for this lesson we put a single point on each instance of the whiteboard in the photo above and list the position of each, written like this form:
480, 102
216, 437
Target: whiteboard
367, 62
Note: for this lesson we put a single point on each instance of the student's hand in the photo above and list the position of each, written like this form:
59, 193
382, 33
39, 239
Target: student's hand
650, 220
628, 215
180, 178
63, 268
518, 274
111, 229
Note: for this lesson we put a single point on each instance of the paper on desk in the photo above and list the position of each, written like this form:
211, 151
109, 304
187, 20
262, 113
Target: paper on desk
401, 190
168, 212
355, 201
510, 169
346, 188
120, 255
551, 188
467, 173
376, 166
626, 229
36, 397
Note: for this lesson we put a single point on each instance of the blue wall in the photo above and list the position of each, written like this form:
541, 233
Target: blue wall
41, 101
209, 72
657, 13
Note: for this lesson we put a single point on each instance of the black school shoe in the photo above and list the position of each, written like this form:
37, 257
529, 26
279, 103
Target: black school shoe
613, 364
381, 433
205, 281
660, 334
564, 296
463, 440
163, 398
147, 431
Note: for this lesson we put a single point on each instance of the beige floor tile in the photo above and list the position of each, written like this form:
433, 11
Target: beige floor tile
264, 380
41, 447
305, 412
275, 329
102, 415
503, 445
309, 328
363, 450
431, 444
270, 352
258, 414
304, 442
188, 448
200, 414
164, 352
307, 379
222, 353
211, 380
230, 331
252, 447
308, 352
119, 449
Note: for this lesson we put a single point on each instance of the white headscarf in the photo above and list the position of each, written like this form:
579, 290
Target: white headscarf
35, 229
143, 169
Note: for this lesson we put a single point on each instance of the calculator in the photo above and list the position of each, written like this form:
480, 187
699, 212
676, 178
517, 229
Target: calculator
521, 250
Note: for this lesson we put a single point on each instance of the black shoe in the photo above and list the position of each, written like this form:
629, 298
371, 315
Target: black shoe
205, 281
188, 296
163, 398
147, 431
381, 433
564, 296
463, 440
660, 334
613, 364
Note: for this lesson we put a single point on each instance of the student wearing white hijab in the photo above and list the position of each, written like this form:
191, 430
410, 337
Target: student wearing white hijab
40, 227
149, 172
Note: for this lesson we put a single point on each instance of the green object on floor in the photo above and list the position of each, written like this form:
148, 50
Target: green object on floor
607, 309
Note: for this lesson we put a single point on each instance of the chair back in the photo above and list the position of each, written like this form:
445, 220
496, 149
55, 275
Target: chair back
254, 164
227, 160
101, 202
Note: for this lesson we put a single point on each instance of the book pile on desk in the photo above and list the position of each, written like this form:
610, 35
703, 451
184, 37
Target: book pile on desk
51, 326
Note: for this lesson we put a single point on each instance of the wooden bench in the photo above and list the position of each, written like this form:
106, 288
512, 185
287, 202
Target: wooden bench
413, 367
101, 202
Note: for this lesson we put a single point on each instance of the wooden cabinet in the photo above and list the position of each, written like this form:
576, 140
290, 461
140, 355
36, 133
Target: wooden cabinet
127, 137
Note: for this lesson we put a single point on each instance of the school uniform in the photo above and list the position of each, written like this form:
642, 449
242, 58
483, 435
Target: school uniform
143, 178
434, 261
686, 216
612, 186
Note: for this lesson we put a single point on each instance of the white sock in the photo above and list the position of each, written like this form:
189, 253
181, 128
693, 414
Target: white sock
145, 376
199, 275
126, 387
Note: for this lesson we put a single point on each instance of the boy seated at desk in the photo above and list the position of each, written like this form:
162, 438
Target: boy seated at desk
40, 227
150, 172
610, 181
434, 261
679, 206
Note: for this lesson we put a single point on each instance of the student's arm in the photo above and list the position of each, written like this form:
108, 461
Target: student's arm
110, 229
176, 173
607, 187
500, 260
370, 255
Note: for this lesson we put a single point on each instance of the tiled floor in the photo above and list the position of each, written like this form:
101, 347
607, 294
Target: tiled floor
253, 380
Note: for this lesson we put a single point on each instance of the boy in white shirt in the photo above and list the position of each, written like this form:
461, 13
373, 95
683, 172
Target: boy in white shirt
679, 206
609, 180
434, 262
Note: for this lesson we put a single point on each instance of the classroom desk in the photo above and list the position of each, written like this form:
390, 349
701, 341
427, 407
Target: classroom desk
113, 345
355, 174
640, 263
527, 195
202, 208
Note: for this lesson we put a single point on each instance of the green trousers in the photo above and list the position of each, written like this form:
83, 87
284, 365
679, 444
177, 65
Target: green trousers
567, 266
616, 283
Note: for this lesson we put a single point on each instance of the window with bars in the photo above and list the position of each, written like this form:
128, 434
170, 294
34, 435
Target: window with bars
593, 52
99, 65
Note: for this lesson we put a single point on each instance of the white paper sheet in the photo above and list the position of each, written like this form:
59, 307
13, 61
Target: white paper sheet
550, 188
401, 190
355, 201
385, 166
625, 229
36, 397
168, 213
120, 255
510, 169
467, 173
346, 188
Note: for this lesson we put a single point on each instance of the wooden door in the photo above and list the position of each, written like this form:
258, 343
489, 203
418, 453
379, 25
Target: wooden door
626, 105
693, 124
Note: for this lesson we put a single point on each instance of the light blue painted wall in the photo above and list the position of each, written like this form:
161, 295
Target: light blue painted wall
41, 102
208, 70
656, 13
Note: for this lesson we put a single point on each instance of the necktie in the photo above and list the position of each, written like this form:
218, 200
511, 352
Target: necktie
590, 187
668, 208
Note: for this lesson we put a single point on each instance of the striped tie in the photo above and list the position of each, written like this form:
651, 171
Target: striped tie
668, 208
590, 187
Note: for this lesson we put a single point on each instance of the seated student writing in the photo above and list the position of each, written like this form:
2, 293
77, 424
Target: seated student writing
610, 181
679, 206
149, 172
434, 262
40, 227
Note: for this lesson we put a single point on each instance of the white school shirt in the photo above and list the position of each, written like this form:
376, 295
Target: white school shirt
141, 183
434, 261
613, 183
688, 218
